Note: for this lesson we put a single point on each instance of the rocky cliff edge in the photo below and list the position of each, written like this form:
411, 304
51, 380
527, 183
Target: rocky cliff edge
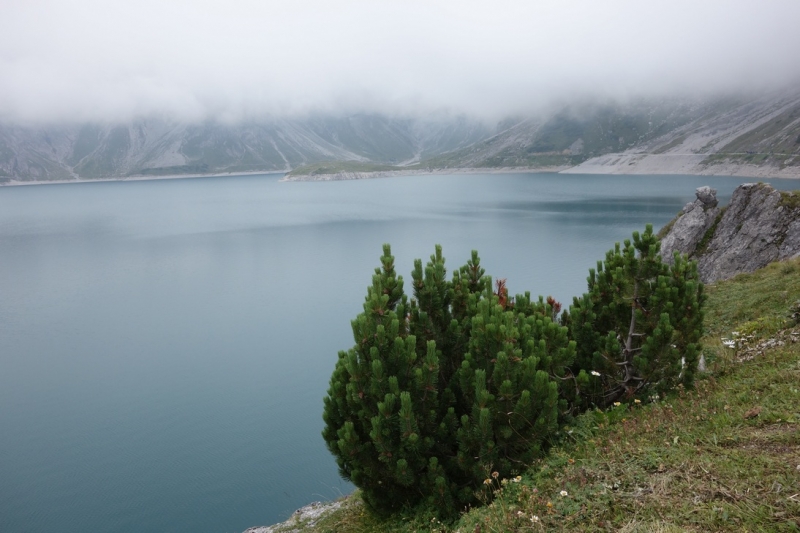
759, 226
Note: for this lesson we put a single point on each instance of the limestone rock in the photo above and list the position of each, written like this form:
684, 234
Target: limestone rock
760, 225
301, 520
691, 225
707, 196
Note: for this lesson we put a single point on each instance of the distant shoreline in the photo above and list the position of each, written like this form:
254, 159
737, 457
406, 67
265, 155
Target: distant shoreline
740, 171
356, 175
15, 183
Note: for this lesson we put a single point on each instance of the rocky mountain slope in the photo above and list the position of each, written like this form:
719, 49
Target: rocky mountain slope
759, 226
573, 134
163, 147
746, 137
743, 135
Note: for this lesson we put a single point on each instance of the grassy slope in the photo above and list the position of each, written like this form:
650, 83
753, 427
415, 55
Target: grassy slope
723, 457
333, 167
775, 142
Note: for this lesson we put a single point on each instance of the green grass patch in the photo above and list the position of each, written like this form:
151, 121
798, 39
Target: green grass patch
675, 142
335, 167
513, 159
702, 246
764, 294
200, 168
780, 160
790, 199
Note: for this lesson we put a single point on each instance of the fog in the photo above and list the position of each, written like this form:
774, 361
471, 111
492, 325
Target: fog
244, 59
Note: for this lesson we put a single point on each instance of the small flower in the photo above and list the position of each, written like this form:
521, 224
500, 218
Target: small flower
595, 373
487, 481
534, 519
728, 343
617, 404
520, 513
549, 504
495, 474
637, 400
517, 479
564, 494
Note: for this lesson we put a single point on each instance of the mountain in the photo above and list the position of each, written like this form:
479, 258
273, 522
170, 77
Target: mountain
163, 147
732, 136
726, 135
722, 135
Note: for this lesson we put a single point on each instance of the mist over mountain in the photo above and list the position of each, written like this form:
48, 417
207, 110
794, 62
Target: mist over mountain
740, 135
91, 61
111, 89
162, 147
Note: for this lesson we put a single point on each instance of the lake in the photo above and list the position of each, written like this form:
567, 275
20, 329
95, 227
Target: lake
165, 345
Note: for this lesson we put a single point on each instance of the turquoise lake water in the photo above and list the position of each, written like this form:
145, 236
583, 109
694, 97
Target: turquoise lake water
165, 345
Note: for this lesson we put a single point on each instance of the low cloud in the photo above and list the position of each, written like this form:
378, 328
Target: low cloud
192, 60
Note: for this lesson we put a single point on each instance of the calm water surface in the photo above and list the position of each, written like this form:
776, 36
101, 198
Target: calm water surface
165, 345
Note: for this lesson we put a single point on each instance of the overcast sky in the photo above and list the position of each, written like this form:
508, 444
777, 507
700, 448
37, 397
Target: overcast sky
193, 59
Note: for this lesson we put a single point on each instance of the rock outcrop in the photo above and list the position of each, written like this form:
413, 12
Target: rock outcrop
760, 225
301, 520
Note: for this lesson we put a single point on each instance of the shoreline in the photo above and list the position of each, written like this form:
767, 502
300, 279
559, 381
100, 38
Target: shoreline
729, 170
18, 183
356, 175
732, 171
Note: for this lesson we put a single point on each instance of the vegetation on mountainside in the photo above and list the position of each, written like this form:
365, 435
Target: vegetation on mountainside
762, 131
447, 393
702, 246
724, 456
578, 132
776, 142
335, 167
790, 199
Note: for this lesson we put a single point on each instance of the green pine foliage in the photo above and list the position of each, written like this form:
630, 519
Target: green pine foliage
460, 384
638, 327
443, 390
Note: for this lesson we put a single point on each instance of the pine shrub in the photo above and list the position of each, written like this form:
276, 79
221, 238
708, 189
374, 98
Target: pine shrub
440, 392
639, 325
460, 383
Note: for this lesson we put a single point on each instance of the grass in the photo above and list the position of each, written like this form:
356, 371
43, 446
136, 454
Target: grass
702, 246
781, 160
790, 199
722, 457
333, 167
672, 144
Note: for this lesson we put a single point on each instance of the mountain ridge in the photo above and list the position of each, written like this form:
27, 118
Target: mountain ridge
723, 135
